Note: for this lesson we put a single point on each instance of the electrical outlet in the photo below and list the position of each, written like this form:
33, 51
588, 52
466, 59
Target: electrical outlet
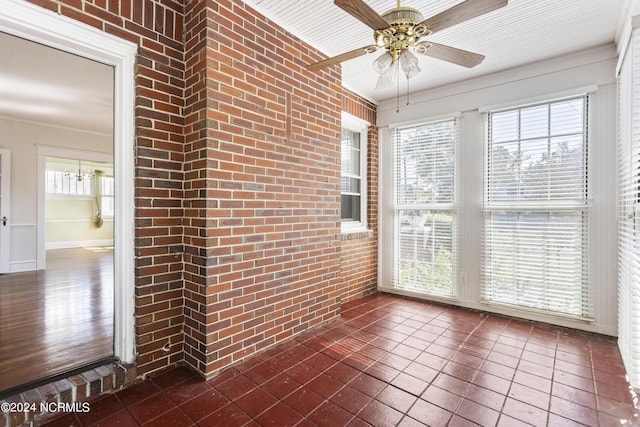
463, 278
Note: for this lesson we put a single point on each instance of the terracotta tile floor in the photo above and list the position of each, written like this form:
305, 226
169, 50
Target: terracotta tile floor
393, 361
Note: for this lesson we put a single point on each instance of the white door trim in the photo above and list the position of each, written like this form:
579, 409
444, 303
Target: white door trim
37, 24
5, 209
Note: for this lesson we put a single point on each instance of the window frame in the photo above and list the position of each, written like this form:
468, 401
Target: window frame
581, 206
357, 125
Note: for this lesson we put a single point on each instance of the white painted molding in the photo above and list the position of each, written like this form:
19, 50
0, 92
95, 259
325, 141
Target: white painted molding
37, 24
79, 244
22, 266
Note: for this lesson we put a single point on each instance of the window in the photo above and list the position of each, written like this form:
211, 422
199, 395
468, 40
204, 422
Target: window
424, 169
67, 183
537, 210
107, 196
353, 174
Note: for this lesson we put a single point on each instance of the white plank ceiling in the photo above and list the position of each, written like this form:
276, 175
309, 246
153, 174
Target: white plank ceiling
524, 31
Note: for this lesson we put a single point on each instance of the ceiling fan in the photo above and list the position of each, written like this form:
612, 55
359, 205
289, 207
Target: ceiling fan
400, 31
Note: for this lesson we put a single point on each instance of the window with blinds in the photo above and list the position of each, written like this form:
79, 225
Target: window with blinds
424, 168
537, 209
351, 180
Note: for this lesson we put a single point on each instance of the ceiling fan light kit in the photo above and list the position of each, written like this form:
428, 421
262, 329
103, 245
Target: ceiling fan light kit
399, 31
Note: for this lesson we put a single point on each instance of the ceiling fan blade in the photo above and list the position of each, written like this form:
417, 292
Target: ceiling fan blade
362, 12
462, 12
450, 54
341, 58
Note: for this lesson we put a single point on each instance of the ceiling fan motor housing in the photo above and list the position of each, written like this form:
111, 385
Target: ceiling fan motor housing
404, 31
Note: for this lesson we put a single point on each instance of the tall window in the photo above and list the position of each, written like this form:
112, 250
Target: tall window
536, 208
424, 208
353, 174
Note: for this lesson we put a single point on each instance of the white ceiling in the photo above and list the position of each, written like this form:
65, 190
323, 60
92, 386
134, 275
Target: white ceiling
45, 85
522, 32
42, 84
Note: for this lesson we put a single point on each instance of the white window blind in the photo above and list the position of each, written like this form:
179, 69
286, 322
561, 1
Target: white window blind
536, 209
629, 210
424, 166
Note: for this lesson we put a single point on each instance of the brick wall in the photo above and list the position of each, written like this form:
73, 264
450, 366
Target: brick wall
359, 256
271, 179
237, 186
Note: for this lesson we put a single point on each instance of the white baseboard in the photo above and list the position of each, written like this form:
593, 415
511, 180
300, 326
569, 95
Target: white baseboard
78, 244
20, 266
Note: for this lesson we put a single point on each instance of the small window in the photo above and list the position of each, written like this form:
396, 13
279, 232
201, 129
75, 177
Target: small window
353, 174
108, 196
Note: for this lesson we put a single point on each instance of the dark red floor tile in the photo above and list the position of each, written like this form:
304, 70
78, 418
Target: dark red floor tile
575, 381
538, 359
66, 420
282, 361
330, 414
342, 372
173, 418
477, 413
377, 413
573, 394
304, 400
452, 384
533, 381
498, 370
151, 408
507, 421
529, 395
492, 382
416, 343
137, 393
350, 399
429, 414
302, 373
620, 392
458, 421
236, 387
607, 420
227, 416
535, 369
301, 352
120, 419
407, 421
255, 402
396, 398
525, 412
320, 362
100, 409
173, 377
382, 372
279, 415
485, 397
411, 383
580, 359
432, 361
281, 386
441, 398
421, 372
503, 359
325, 385
261, 373
573, 411
395, 361
461, 371
357, 422
188, 389
204, 404
617, 409
558, 421
367, 384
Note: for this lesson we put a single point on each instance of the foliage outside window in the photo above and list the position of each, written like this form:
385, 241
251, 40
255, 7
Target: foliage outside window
536, 208
424, 208
353, 179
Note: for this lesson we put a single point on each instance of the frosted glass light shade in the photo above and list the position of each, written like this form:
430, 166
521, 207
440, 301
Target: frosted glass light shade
382, 64
409, 63
388, 77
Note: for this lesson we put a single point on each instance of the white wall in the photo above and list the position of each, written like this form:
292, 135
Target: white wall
591, 71
23, 139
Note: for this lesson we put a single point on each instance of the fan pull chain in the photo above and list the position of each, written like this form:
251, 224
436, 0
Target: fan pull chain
407, 91
398, 95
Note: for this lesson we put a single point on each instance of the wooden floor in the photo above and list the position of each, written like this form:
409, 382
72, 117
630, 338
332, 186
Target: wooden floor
55, 320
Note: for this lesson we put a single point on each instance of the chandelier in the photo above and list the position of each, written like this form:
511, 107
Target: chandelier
80, 174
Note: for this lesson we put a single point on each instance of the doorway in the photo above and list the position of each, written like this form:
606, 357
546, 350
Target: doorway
48, 29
